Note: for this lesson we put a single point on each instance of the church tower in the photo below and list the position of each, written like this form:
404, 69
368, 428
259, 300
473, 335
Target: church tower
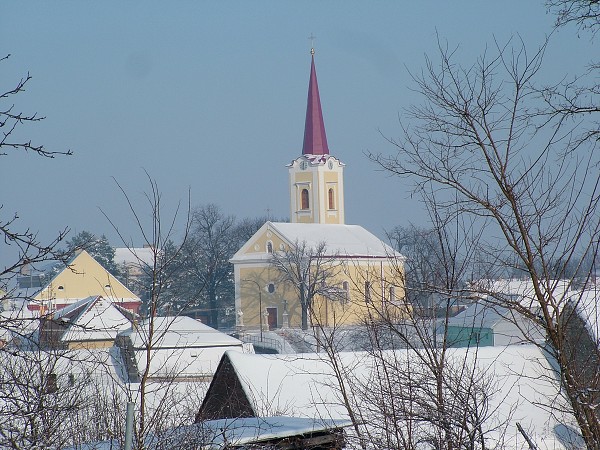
316, 177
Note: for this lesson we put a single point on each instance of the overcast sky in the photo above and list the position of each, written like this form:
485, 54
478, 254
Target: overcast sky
211, 96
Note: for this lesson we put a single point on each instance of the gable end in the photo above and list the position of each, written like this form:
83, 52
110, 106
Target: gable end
225, 398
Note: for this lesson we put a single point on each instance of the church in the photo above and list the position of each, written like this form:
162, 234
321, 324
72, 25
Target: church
366, 274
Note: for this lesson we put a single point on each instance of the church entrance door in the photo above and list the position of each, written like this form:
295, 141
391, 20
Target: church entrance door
272, 319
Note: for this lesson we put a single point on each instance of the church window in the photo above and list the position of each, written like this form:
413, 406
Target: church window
269, 247
368, 292
330, 198
304, 199
271, 288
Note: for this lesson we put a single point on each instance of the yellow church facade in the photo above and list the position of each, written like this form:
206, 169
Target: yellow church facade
364, 276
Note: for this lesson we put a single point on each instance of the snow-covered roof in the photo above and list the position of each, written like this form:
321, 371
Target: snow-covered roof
181, 347
178, 332
23, 294
183, 363
91, 319
225, 433
240, 431
522, 290
523, 384
480, 315
16, 323
134, 256
341, 240
95, 363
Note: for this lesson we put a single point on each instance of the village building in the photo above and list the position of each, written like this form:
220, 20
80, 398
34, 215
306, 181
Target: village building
181, 349
81, 278
482, 325
514, 386
368, 273
89, 323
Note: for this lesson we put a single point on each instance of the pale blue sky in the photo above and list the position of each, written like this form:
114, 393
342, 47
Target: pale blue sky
212, 96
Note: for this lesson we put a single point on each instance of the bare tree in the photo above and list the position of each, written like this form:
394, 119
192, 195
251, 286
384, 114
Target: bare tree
42, 392
11, 119
437, 264
245, 228
585, 14
160, 272
205, 275
480, 148
23, 243
203, 280
311, 272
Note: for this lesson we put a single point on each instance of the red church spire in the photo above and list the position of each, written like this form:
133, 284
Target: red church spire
315, 140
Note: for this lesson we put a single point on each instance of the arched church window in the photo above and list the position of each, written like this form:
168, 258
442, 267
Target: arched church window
304, 201
330, 198
368, 292
269, 247
392, 294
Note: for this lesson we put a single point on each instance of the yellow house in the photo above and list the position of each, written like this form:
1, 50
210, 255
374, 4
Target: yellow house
82, 277
364, 276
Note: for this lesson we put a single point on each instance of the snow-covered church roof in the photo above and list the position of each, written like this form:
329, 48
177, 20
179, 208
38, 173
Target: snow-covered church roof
350, 241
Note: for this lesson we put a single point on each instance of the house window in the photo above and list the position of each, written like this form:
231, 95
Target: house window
474, 338
51, 384
392, 293
304, 199
330, 198
367, 292
269, 247
346, 289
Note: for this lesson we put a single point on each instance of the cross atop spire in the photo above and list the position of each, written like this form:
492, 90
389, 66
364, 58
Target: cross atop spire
315, 140
312, 38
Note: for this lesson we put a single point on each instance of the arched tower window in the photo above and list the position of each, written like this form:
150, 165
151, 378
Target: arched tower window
330, 198
269, 247
304, 199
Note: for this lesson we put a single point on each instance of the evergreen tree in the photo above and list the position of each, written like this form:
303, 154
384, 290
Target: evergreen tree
98, 247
